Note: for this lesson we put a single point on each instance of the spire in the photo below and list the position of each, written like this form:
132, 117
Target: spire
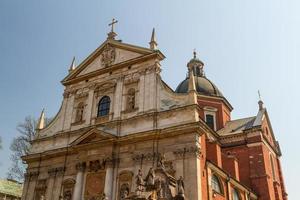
192, 88
73, 65
260, 102
153, 43
111, 35
41, 122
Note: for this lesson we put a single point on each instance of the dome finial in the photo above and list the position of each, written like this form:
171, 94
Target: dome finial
195, 53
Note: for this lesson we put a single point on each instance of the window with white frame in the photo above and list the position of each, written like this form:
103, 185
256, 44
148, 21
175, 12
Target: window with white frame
210, 117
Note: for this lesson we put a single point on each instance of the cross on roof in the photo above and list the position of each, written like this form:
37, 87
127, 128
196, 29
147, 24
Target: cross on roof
113, 22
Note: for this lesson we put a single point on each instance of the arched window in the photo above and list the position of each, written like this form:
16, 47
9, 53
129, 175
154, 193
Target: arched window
103, 106
235, 195
79, 112
216, 184
131, 99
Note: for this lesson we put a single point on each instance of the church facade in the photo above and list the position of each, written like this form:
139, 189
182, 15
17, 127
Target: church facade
123, 133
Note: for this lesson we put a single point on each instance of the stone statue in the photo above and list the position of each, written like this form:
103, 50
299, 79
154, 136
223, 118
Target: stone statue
67, 195
150, 177
180, 185
139, 182
131, 99
42, 197
124, 192
160, 162
158, 186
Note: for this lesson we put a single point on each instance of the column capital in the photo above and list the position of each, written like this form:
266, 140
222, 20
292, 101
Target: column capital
81, 166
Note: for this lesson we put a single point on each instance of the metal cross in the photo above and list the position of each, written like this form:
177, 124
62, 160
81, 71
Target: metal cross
112, 24
259, 96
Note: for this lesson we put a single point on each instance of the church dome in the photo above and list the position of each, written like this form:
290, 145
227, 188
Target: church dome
203, 85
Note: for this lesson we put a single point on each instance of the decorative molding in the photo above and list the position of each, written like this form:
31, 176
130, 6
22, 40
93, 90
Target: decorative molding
80, 166
188, 151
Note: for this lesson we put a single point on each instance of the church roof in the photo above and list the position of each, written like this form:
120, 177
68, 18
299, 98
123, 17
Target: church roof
240, 125
12, 188
237, 126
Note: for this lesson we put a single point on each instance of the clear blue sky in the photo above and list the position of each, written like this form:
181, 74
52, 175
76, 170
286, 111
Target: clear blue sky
245, 45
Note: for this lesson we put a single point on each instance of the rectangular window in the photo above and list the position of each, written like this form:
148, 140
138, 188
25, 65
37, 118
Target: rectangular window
210, 121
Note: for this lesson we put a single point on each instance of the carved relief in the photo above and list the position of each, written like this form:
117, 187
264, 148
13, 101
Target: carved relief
96, 165
188, 151
94, 187
108, 55
68, 186
125, 181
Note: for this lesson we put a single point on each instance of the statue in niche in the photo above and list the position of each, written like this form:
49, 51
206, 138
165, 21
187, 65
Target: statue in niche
131, 99
180, 185
124, 191
42, 197
67, 195
150, 179
139, 182
79, 112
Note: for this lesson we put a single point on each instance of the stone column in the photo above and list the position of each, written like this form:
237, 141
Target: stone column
191, 171
52, 174
77, 194
109, 180
26, 184
31, 188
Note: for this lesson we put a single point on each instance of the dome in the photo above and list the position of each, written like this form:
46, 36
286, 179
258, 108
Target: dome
203, 86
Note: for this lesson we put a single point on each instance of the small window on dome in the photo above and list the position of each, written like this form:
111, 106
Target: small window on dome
210, 121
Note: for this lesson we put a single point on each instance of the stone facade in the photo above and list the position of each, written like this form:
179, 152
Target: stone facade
122, 133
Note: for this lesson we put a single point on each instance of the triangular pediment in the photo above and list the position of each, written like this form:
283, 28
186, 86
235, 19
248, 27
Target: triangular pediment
92, 136
110, 53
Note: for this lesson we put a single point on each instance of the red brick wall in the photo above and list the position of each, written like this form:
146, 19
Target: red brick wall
214, 153
223, 113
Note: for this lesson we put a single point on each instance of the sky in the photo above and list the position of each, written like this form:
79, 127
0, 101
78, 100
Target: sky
246, 46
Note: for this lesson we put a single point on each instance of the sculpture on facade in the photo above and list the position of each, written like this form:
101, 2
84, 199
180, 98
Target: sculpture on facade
124, 191
139, 182
131, 99
150, 179
180, 186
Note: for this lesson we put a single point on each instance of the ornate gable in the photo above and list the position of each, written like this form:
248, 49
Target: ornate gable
109, 54
93, 135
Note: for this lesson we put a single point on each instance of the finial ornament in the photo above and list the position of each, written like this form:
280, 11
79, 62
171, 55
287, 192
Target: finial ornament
153, 43
260, 102
41, 122
195, 53
73, 65
112, 34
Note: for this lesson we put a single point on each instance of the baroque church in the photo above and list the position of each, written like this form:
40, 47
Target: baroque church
122, 133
